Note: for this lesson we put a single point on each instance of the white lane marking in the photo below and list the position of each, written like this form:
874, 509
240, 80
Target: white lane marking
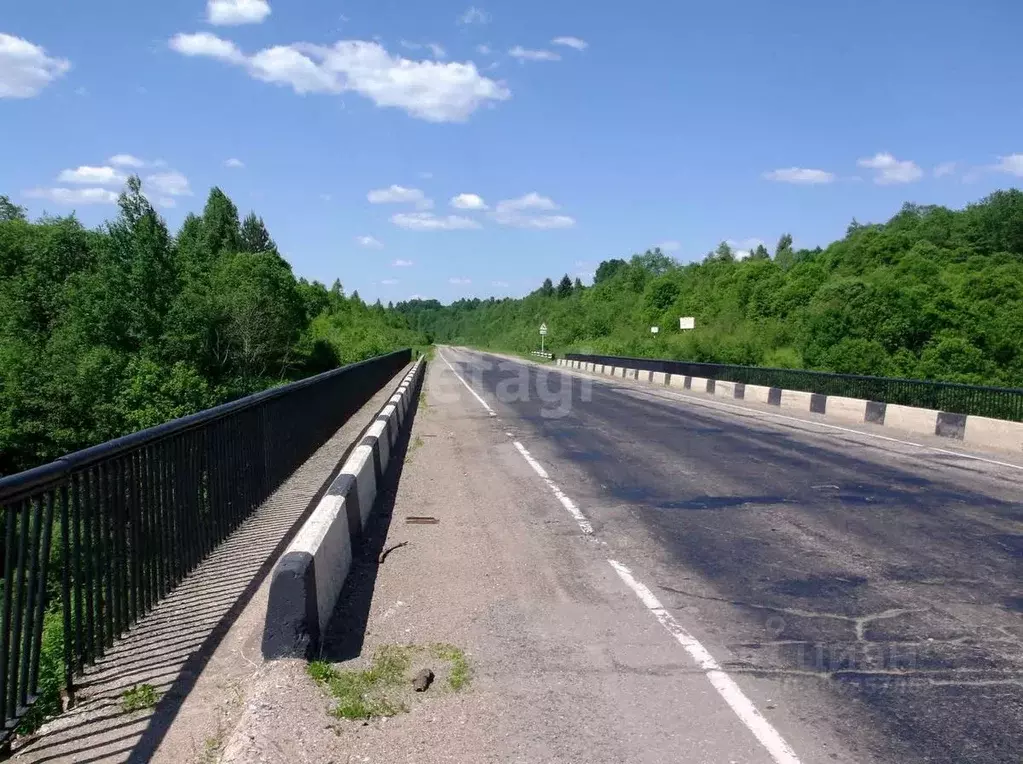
482, 402
754, 412
743, 707
566, 502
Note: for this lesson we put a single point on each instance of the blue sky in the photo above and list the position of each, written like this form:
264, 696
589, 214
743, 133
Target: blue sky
495, 144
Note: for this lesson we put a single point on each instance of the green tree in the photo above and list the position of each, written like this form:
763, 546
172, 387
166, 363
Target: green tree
220, 230
547, 290
783, 254
565, 287
254, 236
10, 211
607, 270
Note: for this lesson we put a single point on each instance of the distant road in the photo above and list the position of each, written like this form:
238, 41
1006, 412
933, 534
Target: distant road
868, 588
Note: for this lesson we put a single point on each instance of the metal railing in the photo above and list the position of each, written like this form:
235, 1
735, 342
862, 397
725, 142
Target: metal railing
995, 402
130, 518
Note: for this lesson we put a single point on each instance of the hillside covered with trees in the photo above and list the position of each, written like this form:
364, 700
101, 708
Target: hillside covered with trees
932, 294
105, 332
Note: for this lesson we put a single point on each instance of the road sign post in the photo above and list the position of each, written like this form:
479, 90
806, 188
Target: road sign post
543, 333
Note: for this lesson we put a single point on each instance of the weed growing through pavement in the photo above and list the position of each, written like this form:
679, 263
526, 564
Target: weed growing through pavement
416, 444
139, 697
385, 688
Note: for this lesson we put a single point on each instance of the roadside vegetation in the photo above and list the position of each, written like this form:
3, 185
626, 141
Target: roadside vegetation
933, 293
385, 688
139, 697
108, 331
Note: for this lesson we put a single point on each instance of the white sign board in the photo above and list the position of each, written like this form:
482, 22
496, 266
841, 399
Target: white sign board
687, 322
543, 330
654, 329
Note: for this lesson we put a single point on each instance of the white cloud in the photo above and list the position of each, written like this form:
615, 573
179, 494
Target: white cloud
426, 175
369, 242
459, 282
530, 201
168, 184
389, 282
474, 15
427, 221
126, 160
234, 12
25, 69
945, 168
669, 245
571, 42
501, 284
400, 195
208, 45
72, 196
402, 264
890, 170
1011, 164
525, 54
800, 175
92, 176
483, 50
326, 197
430, 90
468, 202
234, 164
519, 213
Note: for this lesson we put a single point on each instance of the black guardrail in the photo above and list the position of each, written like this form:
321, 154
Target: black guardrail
995, 402
131, 517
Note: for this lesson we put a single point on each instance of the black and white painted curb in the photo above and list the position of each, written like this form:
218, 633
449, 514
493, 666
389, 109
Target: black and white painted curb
308, 578
976, 430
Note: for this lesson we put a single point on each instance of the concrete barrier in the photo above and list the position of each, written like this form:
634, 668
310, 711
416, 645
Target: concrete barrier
846, 409
911, 419
994, 433
732, 390
757, 393
307, 580
982, 431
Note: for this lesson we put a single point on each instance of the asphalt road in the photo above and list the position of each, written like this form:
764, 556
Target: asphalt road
873, 584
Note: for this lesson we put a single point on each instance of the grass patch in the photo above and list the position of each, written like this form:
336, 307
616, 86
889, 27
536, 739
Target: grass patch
138, 697
385, 688
460, 674
211, 750
415, 445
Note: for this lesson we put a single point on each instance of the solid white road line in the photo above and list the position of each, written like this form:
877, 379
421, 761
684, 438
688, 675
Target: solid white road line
743, 707
566, 502
482, 402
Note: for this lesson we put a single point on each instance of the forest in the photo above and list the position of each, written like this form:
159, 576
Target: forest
110, 330
104, 332
932, 294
